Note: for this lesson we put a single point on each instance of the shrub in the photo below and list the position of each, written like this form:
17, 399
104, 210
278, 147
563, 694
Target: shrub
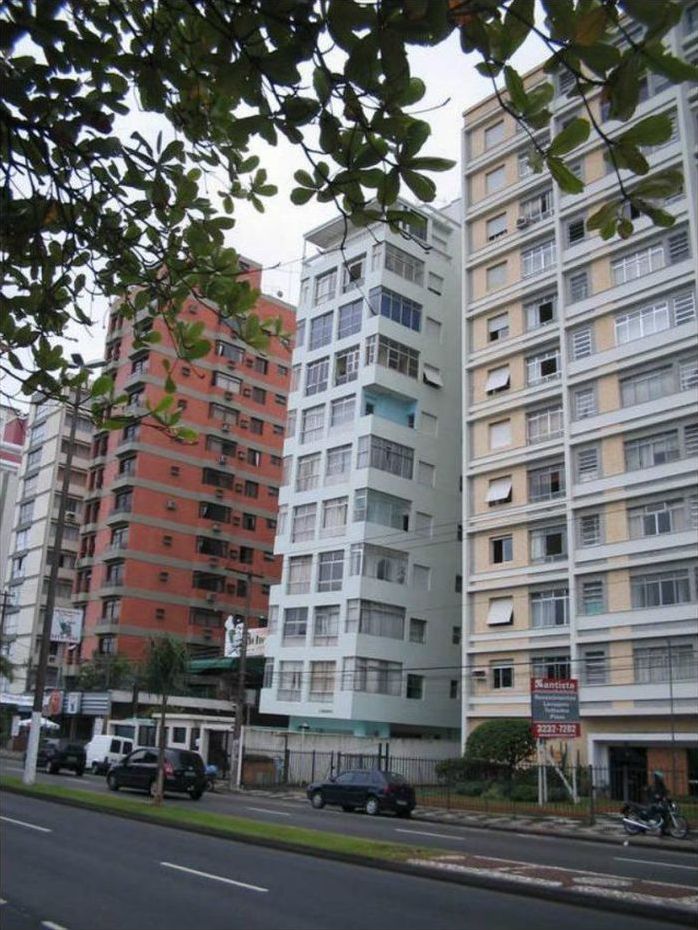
507, 741
471, 789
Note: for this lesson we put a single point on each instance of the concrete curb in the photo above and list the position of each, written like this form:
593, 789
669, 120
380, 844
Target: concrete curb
502, 884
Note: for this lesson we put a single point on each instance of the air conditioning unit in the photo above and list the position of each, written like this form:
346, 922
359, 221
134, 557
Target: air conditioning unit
219, 493
479, 673
216, 527
249, 362
234, 554
171, 505
211, 597
244, 424
246, 392
228, 395
232, 366
240, 488
225, 428
223, 460
70, 517
241, 455
164, 576
213, 562
522, 222
236, 521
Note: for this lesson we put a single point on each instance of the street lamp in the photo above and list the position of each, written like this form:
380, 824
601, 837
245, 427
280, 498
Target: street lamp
29, 774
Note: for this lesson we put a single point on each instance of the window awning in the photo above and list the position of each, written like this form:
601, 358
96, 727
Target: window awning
498, 378
499, 490
432, 376
501, 611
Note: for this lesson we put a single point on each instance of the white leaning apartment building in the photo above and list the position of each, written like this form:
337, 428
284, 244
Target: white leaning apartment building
364, 629
581, 440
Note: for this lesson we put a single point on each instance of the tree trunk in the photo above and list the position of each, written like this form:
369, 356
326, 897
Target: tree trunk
160, 786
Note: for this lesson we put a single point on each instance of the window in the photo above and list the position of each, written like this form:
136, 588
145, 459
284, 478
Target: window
538, 258
295, 623
425, 474
589, 529
430, 424
501, 611
499, 491
500, 434
651, 450
543, 425
551, 666
395, 307
393, 355
350, 316
494, 134
342, 411
496, 276
353, 273
299, 340
656, 519
688, 374
303, 522
313, 424
308, 472
584, 403
536, 208
418, 630
251, 489
378, 562
502, 676
524, 165
496, 227
34, 458
643, 322
322, 681
334, 516
667, 661
637, 264
547, 483
661, 589
593, 597
415, 687
376, 452
581, 343
338, 464
230, 352
325, 286
259, 395
402, 263
299, 572
330, 571
326, 625
576, 231
373, 506
114, 574
317, 376
346, 365
595, 666
498, 327
549, 608
373, 676
290, 681
321, 330
456, 635
498, 379
216, 512
588, 464
111, 609
540, 312
495, 180
542, 367
421, 577
578, 286
548, 543
435, 284
501, 549
373, 618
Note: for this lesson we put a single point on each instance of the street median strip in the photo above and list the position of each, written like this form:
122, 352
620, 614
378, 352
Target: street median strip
615, 893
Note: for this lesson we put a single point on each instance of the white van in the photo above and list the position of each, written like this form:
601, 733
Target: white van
103, 751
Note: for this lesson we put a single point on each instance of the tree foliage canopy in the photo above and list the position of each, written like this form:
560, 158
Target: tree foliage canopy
91, 208
507, 741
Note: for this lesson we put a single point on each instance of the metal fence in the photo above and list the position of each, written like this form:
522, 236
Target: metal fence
529, 789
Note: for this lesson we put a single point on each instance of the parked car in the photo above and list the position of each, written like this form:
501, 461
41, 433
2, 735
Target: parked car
57, 754
370, 789
184, 772
103, 751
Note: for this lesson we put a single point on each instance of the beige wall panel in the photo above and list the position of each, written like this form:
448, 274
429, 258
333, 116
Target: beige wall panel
612, 456
619, 590
616, 523
604, 333
599, 276
607, 393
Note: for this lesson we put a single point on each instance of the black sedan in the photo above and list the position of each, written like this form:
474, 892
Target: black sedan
369, 789
185, 772
57, 754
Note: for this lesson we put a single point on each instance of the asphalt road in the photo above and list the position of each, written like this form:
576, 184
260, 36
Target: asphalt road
69, 869
636, 862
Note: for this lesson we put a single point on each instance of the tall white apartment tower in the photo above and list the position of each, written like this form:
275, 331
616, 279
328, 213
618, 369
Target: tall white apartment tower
364, 630
31, 543
581, 440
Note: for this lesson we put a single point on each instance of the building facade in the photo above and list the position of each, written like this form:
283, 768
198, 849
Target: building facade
364, 629
178, 536
31, 542
581, 440
13, 428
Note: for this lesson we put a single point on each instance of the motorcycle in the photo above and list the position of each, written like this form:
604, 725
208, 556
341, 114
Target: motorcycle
212, 773
662, 817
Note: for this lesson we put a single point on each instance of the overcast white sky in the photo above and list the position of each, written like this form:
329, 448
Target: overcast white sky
275, 238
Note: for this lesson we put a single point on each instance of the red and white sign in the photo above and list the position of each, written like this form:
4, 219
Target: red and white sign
555, 708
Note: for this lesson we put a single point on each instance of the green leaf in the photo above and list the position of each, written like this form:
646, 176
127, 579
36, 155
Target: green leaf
301, 195
104, 384
658, 217
515, 87
567, 181
653, 130
421, 187
603, 215
432, 164
590, 26
575, 133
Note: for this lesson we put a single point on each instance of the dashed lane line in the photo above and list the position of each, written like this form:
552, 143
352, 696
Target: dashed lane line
267, 810
215, 878
29, 826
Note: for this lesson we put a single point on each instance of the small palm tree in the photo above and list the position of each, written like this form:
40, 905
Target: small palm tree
164, 670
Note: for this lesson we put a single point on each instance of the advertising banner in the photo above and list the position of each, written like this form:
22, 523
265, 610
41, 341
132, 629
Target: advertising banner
555, 708
66, 625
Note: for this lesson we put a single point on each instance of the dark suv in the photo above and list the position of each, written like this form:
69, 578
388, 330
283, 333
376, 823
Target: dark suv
57, 754
370, 789
184, 772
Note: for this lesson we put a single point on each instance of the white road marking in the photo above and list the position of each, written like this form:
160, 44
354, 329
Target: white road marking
443, 836
663, 865
266, 810
49, 924
535, 836
29, 826
2, 901
215, 878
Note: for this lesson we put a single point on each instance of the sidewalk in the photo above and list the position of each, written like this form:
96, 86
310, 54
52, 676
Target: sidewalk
607, 829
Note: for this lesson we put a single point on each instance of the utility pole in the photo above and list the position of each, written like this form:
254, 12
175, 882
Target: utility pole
3, 611
242, 678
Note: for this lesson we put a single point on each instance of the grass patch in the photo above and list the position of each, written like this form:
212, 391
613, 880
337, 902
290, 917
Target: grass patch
222, 825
